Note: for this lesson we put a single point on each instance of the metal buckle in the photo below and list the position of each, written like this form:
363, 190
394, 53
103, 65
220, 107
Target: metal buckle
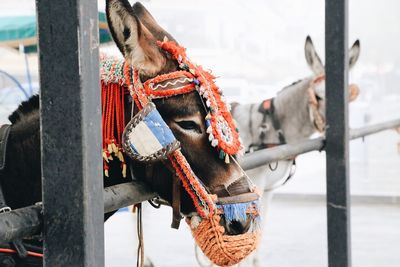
5, 209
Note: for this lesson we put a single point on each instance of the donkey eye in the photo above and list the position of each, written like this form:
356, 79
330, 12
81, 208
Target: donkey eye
318, 97
189, 125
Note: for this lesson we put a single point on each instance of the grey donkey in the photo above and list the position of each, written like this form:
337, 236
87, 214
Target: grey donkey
296, 113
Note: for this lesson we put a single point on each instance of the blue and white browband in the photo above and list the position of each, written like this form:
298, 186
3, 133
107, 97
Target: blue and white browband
147, 137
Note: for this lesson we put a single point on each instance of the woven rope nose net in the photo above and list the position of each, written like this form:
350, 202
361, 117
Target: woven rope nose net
220, 248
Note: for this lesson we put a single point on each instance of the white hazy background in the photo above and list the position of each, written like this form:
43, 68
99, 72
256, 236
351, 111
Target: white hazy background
256, 48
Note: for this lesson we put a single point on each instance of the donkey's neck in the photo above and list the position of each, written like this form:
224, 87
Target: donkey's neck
292, 111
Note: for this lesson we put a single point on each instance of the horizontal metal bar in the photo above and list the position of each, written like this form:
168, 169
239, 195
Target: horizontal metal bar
20, 223
27, 221
371, 129
123, 195
264, 156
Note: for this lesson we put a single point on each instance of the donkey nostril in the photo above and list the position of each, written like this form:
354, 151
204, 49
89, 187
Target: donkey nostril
238, 227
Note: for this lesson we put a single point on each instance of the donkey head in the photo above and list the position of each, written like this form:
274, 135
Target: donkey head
138, 36
317, 92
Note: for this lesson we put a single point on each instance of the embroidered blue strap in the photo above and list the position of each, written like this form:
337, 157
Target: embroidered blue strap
147, 136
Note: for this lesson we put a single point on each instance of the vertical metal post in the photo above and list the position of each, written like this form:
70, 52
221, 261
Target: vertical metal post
337, 133
71, 133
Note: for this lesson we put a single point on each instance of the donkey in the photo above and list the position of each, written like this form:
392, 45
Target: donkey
297, 112
137, 35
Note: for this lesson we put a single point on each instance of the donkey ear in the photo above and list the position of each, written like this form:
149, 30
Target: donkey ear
133, 39
150, 23
354, 53
313, 60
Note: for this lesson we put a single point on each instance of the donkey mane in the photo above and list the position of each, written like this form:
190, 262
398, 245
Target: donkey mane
28, 106
290, 85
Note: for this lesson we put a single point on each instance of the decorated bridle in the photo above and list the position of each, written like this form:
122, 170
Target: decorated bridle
316, 116
148, 138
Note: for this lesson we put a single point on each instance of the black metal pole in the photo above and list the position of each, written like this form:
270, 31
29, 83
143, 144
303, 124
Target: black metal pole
337, 133
70, 133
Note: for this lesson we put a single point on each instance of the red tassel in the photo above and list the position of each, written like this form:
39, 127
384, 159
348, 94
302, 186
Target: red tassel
113, 121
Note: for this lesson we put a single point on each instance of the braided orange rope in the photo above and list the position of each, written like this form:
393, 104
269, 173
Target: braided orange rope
189, 180
168, 92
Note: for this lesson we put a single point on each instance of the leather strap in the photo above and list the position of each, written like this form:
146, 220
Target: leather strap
3, 205
176, 202
4, 133
242, 198
250, 120
176, 195
20, 248
238, 187
276, 123
288, 178
266, 108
